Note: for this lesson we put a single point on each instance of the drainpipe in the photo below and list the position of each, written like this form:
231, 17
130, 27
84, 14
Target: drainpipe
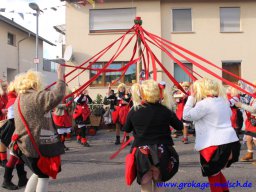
19, 50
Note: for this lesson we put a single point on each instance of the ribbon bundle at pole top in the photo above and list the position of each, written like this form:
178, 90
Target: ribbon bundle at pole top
149, 59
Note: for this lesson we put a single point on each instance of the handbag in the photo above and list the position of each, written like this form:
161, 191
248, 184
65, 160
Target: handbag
48, 165
130, 167
50, 144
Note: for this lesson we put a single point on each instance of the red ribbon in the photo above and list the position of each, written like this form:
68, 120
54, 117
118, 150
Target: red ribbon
165, 45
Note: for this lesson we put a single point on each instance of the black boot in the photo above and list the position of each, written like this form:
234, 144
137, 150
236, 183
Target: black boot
22, 174
7, 184
3, 163
117, 140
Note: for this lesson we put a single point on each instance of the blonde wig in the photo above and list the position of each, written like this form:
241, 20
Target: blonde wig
206, 87
29, 80
233, 91
185, 84
11, 86
150, 91
120, 86
136, 95
3, 84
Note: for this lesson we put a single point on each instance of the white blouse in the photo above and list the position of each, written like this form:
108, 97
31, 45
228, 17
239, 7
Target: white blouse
212, 121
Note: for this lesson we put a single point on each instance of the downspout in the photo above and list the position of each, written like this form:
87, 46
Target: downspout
19, 50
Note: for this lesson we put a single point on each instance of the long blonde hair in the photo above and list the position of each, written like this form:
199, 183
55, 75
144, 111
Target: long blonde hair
120, 86
148, 91
136, 95
29, 80
11, 86
206, 87
232, 91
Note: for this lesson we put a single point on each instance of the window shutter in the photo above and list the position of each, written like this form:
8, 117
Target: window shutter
112, 19
230, 19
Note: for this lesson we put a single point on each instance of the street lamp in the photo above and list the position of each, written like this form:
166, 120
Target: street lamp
35, 7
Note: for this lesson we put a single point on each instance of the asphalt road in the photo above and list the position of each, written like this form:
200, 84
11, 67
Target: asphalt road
90, 170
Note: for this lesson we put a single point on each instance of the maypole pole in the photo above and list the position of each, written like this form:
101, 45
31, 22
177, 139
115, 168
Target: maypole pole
138, 21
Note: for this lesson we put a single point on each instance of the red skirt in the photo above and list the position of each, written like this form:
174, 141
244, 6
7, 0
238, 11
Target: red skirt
249, 127
120, 114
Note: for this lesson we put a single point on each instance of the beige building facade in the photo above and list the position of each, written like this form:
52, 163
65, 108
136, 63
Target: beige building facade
220, 31
17, 51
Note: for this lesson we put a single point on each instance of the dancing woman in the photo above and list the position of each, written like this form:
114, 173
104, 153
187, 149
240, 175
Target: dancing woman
216, 140
150, 121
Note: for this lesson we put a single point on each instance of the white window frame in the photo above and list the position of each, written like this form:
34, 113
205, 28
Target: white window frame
172, 20
230, 31
114, 28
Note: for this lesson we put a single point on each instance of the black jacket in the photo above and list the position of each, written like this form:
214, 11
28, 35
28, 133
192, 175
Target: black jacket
151, 124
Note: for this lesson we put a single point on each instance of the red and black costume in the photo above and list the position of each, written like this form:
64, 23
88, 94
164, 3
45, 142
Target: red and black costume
150, 125
62, 118
3, 103
121, 111
14, 161
122, 108
82, 117
237, 116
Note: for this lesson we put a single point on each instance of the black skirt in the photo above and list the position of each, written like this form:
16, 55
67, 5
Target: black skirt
6, 132
253, 134
32, 164
161, 156
219, 159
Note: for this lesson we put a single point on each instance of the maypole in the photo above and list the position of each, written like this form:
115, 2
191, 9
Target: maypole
138, 21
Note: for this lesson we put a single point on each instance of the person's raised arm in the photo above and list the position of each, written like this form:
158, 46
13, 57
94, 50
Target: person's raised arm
48, 100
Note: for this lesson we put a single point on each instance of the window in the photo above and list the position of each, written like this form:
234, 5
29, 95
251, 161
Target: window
49, 65
233, 67
181, 20
230, 19
102, 20
10, 39
179, 74
107, 77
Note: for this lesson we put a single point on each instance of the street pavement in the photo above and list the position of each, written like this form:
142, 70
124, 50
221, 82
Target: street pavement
90, 169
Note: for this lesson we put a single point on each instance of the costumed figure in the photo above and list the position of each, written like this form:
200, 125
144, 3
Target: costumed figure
31, 140
62, 117
155, 158
250, 126
82, 116
237, 116
119, 115
181, 100
216, 139
6, 135
110, 100
3, 116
